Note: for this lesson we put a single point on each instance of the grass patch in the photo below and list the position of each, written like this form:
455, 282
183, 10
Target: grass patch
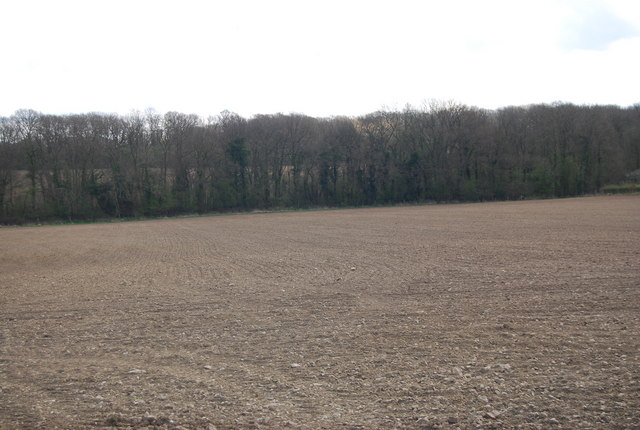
621, 189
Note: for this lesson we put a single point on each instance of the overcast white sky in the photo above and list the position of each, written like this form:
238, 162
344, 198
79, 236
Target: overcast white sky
318, 57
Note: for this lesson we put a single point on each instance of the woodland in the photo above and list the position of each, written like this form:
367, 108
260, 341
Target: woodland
146, 164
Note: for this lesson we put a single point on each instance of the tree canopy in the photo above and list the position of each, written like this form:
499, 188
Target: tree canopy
88, 166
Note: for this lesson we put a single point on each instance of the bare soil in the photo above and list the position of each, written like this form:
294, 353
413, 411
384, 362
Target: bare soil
498, 315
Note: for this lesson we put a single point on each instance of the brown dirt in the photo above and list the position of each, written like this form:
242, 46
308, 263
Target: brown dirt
519, 314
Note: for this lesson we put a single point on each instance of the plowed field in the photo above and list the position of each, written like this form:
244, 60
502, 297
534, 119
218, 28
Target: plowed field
497, 315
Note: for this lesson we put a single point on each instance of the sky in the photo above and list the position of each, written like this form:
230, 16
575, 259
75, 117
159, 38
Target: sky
316, 57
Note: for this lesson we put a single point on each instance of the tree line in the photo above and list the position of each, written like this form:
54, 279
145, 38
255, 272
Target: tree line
88, 166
